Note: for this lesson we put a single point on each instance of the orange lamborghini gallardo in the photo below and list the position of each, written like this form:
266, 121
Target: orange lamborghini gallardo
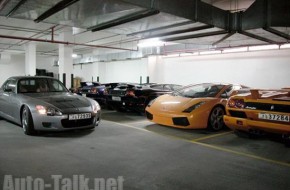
193, 107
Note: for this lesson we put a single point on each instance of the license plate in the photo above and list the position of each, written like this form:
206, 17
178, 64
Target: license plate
274, 117
116, 98
79, 116
84, 95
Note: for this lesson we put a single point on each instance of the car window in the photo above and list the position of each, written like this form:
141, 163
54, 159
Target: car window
40, 85
56, 86
200, 90
159, 87
166, 87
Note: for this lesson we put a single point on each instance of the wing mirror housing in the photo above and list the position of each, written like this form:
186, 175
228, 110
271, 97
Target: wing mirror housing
7, 90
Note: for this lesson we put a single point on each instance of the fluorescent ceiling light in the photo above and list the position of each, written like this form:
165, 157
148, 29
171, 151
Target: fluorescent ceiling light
264, 47
74, 55
284, 46
210, 52
233, 50
153, 42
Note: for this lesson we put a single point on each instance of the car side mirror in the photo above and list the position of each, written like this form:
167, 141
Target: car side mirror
7, 90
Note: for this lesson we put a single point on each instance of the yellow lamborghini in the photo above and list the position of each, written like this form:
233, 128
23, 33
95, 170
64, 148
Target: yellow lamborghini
192, 107
260, 111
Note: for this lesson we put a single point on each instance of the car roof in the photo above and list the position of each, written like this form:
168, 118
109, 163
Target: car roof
29, 77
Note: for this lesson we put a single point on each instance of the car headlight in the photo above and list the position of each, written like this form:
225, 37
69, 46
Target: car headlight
47, 110
96, 107
193, 107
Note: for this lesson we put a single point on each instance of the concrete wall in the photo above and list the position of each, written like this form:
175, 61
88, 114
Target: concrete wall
263, 69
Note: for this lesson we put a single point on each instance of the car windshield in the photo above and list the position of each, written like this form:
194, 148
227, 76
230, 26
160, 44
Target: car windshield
40, 85
200, 90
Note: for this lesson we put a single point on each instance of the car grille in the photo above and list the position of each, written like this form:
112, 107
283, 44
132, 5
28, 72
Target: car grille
239, 114
76, 123
182, 121
268, 107
149, 115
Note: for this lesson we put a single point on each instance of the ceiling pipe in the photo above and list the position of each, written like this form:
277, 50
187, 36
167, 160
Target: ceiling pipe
195, 36
179, 31
257, 37
278, 33
16, 7
62, 42
223, 38
161, 28
3, 4
125, 19
58, 7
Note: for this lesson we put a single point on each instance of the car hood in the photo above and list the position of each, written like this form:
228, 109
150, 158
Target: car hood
61, 100
170, 103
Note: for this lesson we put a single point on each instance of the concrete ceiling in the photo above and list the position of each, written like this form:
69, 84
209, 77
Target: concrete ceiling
107, 27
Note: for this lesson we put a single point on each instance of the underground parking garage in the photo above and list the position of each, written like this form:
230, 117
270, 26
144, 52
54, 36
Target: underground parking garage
144, 95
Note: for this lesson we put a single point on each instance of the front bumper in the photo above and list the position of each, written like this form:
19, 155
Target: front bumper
247, 125
182, 121
62, 123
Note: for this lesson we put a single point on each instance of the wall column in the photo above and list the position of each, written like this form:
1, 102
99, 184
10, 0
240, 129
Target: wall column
65, 56
30, 59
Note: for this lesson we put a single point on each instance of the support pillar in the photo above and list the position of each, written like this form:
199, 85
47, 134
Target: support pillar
65, 57
30, 59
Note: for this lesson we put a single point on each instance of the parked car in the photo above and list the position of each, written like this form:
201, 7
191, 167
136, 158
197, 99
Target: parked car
94, 90
260, 111
136, 99
193, 107
116, 96
44, 104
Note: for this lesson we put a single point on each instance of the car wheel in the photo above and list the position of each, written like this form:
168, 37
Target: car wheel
27, 122
215, 120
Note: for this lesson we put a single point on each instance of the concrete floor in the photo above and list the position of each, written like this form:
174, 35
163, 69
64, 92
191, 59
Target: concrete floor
147, 156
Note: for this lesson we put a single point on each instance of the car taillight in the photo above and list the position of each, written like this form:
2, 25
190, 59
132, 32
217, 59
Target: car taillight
236, 103
93, 90
130, 93
106, 92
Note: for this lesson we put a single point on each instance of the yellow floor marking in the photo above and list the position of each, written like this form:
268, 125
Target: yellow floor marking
210, 146
211, 136
126, 125
242, 154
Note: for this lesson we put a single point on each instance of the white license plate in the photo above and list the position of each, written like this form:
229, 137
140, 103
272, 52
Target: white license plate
79, 116
116, 98
274, 117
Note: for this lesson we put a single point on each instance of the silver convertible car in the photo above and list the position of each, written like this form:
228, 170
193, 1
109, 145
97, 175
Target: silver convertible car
44, 104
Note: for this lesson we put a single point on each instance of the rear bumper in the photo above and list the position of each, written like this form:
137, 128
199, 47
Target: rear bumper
248, 125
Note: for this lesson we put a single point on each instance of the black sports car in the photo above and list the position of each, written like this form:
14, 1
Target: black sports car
135, 97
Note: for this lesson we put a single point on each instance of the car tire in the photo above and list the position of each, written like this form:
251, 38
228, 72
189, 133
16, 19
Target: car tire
215, 119
27, 122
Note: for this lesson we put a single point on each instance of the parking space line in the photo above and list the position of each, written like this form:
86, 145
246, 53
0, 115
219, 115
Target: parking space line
211, 146
242, 154
211, 136
129, 126
138, 122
